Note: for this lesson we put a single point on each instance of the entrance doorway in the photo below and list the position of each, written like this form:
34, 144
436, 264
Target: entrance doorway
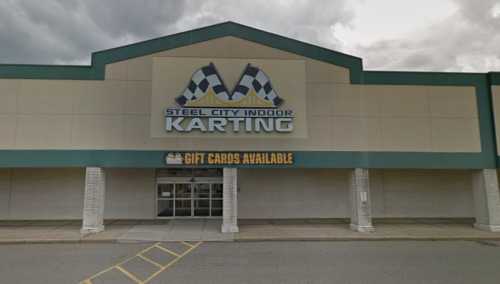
197, 195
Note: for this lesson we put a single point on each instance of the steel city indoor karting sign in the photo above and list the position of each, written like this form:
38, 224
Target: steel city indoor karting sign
206, 105
228, 158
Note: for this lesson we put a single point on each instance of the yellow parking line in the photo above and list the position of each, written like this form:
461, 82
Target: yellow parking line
130, 275
140, 255
120, 263
167, 250
150, 261
171, 263
187, 244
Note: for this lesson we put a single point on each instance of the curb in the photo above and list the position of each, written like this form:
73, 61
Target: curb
377, 239
243, 240
56, 241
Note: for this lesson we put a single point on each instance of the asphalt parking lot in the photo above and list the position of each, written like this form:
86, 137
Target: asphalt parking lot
253, 262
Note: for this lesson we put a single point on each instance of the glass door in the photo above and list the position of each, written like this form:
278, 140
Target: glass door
187, 199
183, 199
201, 199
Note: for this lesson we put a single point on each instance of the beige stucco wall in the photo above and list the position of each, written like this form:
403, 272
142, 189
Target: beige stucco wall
41, 193
130, 194
324, 194
297, 193
57, 193
421, 193
293, 193
116, 113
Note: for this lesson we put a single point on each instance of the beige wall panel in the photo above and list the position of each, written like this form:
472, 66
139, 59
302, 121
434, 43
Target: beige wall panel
495, 93
99, 131
322, 72
302, 194
421, 193
47, 96
117, 71
228, 47
9, 90
136, 132
455, 135
406, 134
406, 101
320, 132
5, 187
355, 133
8, 131
43, 131
101, 97
47, 193
140, 69
137, 99
319, 98
130, 194
453, 101
348, 101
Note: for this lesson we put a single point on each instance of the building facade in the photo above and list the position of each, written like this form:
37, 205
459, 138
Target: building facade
232, 122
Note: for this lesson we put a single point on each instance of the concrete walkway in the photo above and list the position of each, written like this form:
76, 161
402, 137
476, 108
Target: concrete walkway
209, 230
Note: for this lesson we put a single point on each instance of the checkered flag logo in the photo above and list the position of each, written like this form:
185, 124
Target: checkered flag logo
254, 79
202, 80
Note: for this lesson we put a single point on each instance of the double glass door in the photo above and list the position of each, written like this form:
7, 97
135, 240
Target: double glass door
193, 199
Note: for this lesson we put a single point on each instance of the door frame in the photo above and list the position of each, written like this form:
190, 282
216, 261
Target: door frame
191, 181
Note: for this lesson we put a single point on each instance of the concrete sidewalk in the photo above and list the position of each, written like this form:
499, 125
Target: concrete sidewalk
209, 230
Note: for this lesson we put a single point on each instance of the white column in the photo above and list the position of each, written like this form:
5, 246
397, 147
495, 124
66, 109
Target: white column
487, 200
230, 202
359, 187
93, 205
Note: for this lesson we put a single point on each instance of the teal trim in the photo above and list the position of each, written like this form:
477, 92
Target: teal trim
494, 78
303, 159
96, 71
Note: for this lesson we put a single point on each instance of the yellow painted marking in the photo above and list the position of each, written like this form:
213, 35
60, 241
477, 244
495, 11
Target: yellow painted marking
140, 255
130, 275
187, 244
150, 261
167, 250
120, 263
171, 263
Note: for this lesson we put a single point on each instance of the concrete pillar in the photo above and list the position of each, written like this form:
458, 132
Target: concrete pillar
93, 205
487, 200
359, 187
230, 202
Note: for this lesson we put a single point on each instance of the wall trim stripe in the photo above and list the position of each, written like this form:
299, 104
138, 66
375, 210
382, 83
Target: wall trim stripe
303, 159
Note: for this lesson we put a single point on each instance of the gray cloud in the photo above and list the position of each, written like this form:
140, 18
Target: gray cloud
466, 41
67, 31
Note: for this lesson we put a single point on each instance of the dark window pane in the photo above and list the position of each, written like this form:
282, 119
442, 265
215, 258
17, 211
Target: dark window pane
183, 207
217, 190
201, 190
165, 208
165, 191
183, 190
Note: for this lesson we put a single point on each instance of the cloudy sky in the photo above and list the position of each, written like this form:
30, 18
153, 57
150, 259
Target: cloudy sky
423, 35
